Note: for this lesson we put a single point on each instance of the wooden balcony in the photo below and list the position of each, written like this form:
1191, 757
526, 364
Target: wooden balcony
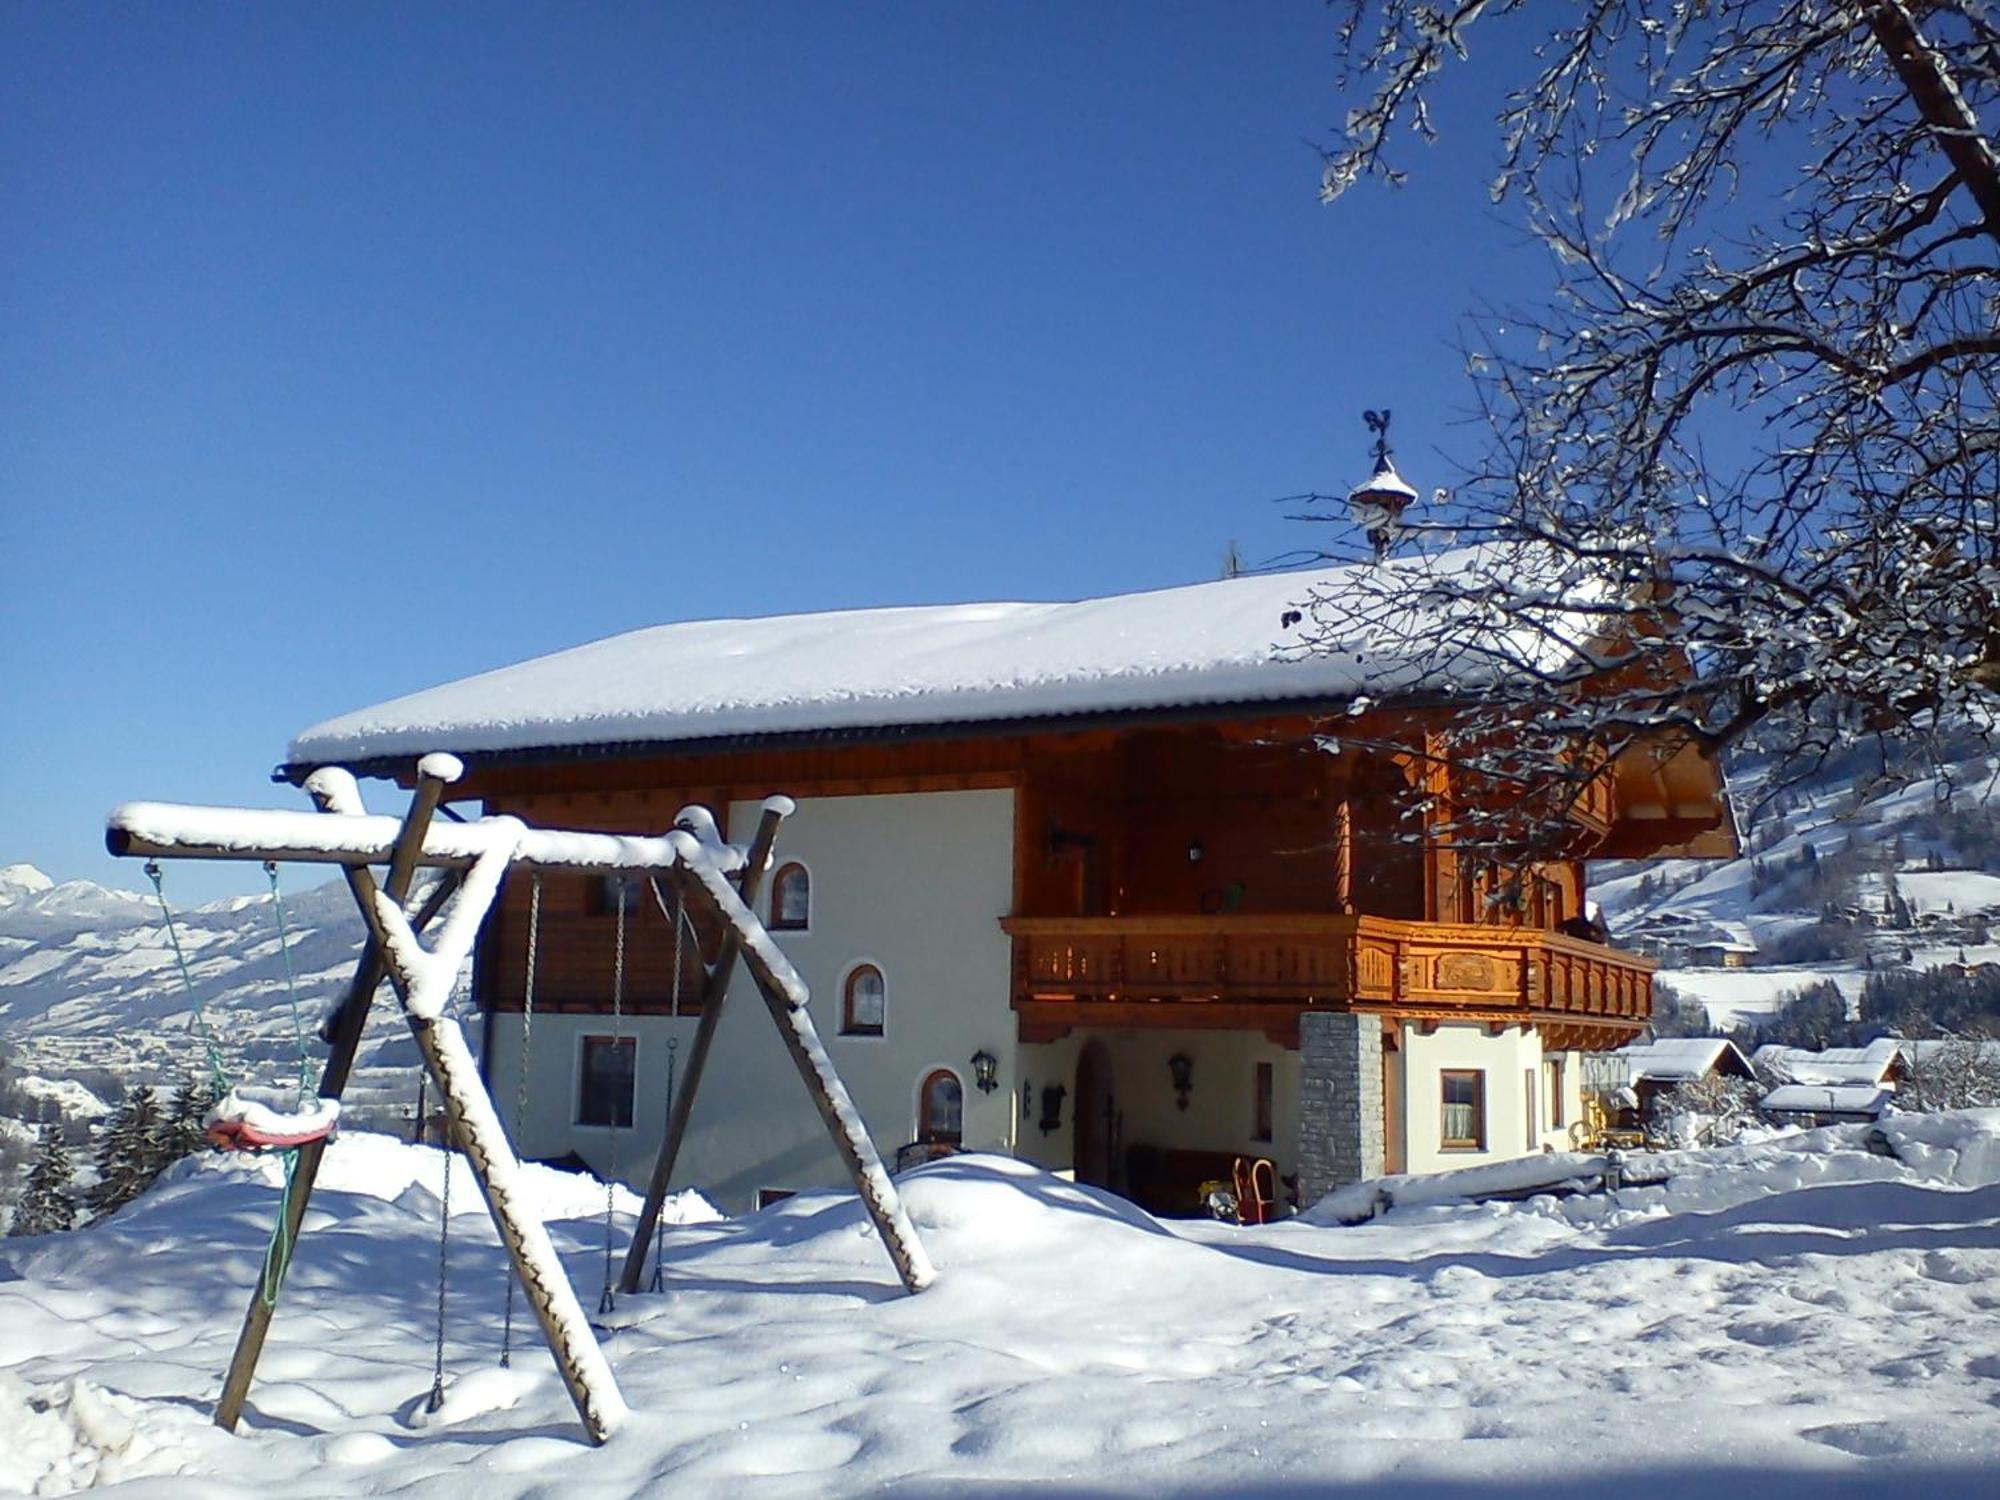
1261, 971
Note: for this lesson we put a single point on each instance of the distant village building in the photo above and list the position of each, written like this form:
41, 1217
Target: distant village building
1653, 1068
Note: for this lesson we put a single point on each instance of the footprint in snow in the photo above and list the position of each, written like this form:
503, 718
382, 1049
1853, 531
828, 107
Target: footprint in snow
1865, 1439
1769, 1335
1948, 1266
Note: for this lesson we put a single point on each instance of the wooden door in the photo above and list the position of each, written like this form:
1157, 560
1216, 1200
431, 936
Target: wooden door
1096, 1115
1394, 1155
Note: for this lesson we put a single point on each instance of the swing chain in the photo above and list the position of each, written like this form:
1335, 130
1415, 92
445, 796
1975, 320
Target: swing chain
218, 1076
608, 1301
291, 986
659, 1281
521, 1096
436, 1401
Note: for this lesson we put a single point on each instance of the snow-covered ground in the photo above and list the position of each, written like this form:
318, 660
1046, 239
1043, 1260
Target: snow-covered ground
1800, 1317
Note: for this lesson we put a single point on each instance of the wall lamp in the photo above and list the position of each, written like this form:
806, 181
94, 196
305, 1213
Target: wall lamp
1181, 1066
985, 1071
1052, 1102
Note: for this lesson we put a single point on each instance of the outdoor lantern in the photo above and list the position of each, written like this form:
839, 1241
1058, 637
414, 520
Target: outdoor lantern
1378, 502
985, 1068
1181, 1066
1052, 1100
1195, 851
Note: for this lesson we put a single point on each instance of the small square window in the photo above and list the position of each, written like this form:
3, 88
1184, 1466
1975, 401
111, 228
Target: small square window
610, 892
605, 1081
1464, 1096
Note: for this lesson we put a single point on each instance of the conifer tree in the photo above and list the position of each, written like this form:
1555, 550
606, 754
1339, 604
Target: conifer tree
46, 1205
128, 1151
180, 1133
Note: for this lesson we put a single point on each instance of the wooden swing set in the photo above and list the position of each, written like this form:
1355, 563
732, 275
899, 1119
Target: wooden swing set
473, 857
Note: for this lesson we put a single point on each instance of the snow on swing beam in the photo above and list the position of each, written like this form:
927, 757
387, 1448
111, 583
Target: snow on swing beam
172, 830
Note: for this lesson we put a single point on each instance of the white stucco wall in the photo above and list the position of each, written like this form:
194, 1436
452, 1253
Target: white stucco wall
1505, 1060
915, 884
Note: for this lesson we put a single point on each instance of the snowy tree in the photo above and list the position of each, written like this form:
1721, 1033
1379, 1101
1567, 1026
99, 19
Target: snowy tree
46, 1205
1711, 1111
180, 1132
128, 1151
1959, 1072
1752, 428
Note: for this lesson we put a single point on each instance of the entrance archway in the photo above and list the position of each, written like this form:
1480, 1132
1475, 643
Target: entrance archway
1096, 1115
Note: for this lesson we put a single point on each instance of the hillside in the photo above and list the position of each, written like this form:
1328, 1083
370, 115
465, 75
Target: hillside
1846, 873
91, 998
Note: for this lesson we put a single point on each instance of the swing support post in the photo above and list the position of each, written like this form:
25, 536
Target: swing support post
829, 1096
344, 1042
714, 990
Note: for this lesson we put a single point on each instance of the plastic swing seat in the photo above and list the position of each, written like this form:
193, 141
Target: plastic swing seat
247, 1119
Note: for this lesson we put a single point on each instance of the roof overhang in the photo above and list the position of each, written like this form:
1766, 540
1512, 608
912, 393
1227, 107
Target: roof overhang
400, 767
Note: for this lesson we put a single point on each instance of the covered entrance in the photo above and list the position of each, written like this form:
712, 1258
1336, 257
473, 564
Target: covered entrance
1097, 1122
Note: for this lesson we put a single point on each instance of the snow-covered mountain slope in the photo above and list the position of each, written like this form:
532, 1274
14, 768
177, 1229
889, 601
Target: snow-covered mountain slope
1844, 873
1803, 1318
89, 986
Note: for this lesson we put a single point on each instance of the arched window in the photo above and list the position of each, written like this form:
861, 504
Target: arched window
791, 899
941, 1108
864, 1002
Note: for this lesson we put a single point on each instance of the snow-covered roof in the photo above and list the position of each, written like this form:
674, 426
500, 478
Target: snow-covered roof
1835, 1065
1821, 1099
1680, 1059
1236, 640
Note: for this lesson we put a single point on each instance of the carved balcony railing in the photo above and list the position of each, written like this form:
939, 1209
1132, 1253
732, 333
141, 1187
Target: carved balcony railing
1444, 970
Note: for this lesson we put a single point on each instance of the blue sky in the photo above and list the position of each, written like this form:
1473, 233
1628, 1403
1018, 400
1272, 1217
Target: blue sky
353, 349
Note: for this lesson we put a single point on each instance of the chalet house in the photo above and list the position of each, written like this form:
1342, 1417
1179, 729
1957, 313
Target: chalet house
1653, 1069
1882, 1063
1833, 1086
1079, 882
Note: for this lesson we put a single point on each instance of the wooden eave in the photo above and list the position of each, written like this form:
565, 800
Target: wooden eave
400, 767
1669, 804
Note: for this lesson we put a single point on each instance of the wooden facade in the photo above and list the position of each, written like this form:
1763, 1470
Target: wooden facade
1216, 872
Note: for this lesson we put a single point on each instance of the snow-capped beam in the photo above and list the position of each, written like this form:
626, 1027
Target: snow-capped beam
167, 830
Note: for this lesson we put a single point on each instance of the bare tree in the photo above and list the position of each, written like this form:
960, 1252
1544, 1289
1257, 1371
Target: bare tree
1954, 1072
1743, 462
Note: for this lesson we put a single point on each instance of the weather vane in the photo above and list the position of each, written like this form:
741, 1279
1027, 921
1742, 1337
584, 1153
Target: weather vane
1378, 423
1378, 504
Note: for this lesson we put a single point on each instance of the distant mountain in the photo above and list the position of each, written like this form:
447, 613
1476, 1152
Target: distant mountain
19, 881
90, 989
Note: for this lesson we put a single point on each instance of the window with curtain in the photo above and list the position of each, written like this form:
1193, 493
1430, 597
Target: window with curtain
605, 1080
791, 899
1464, 1127
864, 1002
941, 1102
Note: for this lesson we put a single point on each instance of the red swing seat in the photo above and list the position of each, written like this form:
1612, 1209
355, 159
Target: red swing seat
243, 1121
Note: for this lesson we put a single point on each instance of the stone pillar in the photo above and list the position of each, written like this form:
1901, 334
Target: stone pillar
1340, 1101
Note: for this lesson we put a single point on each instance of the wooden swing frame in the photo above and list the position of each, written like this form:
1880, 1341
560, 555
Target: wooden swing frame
393, 952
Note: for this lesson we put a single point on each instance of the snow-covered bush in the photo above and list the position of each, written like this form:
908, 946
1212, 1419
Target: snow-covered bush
1712, 1111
